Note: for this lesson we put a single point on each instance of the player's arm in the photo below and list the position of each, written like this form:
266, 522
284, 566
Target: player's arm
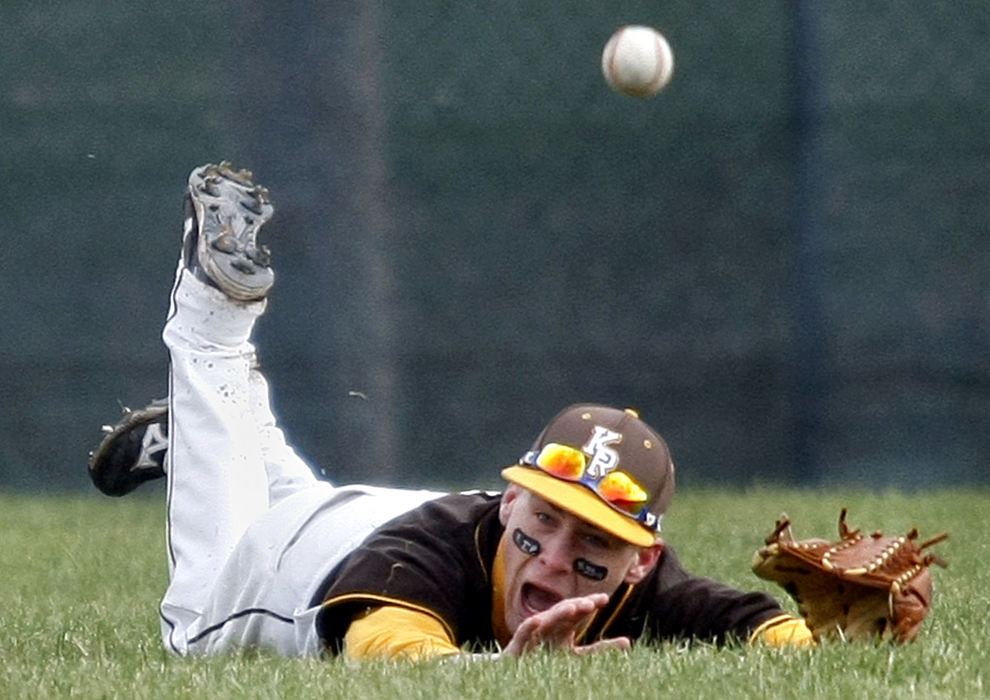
695, 607
393, 631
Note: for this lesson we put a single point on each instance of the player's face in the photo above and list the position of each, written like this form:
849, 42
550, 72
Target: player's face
551, 554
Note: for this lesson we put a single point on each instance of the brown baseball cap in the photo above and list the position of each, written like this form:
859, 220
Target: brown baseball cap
605, 466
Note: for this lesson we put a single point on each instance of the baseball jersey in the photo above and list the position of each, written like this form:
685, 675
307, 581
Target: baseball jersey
437, 559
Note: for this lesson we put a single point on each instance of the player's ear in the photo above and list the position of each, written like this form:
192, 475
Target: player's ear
646, 559
509, 498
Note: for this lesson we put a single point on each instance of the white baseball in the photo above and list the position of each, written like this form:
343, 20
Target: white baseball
637, 61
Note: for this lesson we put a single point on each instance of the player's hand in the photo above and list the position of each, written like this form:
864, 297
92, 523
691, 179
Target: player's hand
557, 627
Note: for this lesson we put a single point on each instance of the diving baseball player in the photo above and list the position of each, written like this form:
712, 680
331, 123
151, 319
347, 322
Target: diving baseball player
261, 553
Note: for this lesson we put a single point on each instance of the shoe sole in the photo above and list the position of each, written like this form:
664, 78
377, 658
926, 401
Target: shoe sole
230, 210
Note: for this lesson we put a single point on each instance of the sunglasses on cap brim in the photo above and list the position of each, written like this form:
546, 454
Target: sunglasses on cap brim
616, 488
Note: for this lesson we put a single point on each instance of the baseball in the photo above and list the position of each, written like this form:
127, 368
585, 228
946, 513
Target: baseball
637, 61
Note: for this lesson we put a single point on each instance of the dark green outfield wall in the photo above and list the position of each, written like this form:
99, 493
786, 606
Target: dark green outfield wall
782, 260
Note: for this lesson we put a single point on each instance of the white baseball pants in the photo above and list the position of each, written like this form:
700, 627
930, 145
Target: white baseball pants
251, 532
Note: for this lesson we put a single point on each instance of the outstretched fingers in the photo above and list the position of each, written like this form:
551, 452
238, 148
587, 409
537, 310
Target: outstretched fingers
558, 626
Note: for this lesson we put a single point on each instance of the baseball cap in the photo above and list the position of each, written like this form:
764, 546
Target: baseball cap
605, 466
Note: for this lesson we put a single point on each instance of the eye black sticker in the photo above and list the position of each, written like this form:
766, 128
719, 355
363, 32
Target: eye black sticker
589, 570
526, 543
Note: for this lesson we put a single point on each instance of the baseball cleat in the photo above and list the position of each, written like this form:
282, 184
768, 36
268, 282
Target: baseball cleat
225, 210
132, 451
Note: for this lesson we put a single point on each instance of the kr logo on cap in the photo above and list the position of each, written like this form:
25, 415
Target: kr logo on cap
603, 458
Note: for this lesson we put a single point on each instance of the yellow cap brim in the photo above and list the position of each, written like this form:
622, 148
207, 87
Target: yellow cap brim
582, 502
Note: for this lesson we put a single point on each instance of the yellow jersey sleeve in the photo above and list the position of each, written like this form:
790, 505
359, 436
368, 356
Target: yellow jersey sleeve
783, 631
392, 631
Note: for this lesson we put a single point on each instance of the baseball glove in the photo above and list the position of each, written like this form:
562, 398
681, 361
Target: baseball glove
861, 587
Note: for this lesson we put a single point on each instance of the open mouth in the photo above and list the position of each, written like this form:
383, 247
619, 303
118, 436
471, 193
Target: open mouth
536, 599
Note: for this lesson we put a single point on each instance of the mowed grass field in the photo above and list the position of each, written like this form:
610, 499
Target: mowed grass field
81, 575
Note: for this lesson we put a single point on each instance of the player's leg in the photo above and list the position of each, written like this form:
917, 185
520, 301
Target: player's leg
252, 533
134, 450
287, 472
263, 594
267, 593
217, 481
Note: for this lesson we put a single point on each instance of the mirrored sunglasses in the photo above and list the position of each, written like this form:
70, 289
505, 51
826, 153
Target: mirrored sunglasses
616, 487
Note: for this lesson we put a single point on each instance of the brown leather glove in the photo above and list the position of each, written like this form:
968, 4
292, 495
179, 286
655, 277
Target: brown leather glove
861, 587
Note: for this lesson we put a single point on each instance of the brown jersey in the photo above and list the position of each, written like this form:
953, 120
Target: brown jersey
438, 559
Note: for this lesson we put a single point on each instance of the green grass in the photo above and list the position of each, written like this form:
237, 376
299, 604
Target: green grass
80, 579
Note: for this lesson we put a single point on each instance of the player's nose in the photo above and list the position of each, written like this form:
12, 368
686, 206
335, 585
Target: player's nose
557, 553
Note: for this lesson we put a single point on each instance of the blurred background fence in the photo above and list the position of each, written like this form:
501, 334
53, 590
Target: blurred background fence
782, 260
